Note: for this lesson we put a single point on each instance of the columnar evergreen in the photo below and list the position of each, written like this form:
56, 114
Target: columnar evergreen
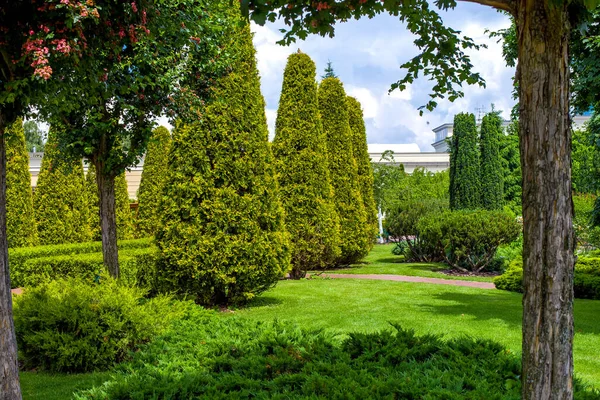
464, 164
343, 171
21, 228
153, 179
60, 200
492, 184
363, 165
222, 235
125, 228
302, 171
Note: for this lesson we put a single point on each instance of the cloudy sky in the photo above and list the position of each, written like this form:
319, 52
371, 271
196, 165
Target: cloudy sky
366, 56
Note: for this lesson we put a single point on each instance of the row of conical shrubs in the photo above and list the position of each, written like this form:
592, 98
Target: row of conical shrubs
64, 207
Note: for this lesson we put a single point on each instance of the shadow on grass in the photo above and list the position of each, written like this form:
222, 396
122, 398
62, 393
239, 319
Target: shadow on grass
390, 260
263, 301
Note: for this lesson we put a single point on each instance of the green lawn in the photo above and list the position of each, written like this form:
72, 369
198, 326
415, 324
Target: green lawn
44, 386
382, 261
344, 305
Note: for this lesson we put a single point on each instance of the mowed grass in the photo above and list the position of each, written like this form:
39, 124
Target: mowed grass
381, 261
346, 305
43, 386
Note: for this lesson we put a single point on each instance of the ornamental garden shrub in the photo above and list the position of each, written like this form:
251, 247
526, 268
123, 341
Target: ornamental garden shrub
222, 236
464, 164
71, 326
149, 195
363, 166
469, 239
21, 227
211, 357
60, 202
354, 229
492, 185
302, 172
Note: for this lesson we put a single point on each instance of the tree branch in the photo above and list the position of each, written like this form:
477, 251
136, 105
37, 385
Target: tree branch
506, 5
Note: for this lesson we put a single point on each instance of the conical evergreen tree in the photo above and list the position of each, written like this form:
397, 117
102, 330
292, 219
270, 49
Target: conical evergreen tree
21, 228
329, 71
364, 168
464, 164
343, 171
153, 179
492, 185
222, 234
60, 200
301, 164
125, 228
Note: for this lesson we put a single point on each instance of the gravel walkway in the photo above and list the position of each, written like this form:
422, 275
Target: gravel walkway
418, 279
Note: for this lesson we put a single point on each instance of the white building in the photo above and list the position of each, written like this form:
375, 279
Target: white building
410, 156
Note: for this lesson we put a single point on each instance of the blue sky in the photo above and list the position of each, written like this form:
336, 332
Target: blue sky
366, 55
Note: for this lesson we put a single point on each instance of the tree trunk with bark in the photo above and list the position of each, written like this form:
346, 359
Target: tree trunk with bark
108, 219
548, 246
9, 366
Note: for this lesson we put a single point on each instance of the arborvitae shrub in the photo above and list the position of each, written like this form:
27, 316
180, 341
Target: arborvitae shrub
302, 171
464, 164
222, 233
125, 228
492, 185
363, 165
154, 174
21, 228
60, 200
343, 171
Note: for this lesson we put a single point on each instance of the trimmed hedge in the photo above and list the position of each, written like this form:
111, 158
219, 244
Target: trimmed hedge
492, 179
464, 164
34, 265
586, 281
71, 326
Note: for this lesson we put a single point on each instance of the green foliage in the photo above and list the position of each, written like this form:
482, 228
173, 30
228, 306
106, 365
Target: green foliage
302, 171
586, 281
424, 185
329, 72
585, 167
469, 239
222, 235
387, 180
492, 185
239, 359
363, 165
70, 326
34, 136
60, 201
34, 265
21, 227
153, 179
582, 220
402, 223
350, 207
465, 181
511, 167
125, 227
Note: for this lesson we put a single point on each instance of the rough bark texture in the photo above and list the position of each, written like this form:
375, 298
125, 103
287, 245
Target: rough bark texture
108, 220
9, 367
545, 137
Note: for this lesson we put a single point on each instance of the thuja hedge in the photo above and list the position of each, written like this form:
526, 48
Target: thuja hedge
205, 356
586, 282
34, 265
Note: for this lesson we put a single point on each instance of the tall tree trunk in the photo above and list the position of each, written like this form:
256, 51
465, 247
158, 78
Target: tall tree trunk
9, 367
108, 220
548, 245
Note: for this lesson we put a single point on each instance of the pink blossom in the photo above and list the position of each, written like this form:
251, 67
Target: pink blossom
134, 7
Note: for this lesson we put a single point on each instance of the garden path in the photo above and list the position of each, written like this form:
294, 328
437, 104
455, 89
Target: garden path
417, 279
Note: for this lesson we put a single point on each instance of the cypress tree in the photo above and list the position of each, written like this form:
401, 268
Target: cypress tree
464, 164
125, 228
363, 166
21, 228
60, 200
301, 164
492, 195
343, 171
222, 235
153, 179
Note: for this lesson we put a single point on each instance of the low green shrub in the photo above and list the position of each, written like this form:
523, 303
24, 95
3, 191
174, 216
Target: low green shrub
469, 239
586, 280
34, 265
70, 326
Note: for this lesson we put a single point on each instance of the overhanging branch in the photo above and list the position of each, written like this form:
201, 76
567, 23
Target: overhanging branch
506, 5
